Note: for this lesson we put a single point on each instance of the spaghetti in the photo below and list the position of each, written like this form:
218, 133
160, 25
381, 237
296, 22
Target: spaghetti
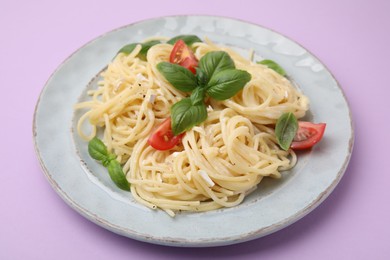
219, 161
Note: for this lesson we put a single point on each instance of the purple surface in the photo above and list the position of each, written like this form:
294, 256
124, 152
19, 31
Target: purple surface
351, 37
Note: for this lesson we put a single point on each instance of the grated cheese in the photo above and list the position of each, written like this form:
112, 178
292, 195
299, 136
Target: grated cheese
206, 177
152, 98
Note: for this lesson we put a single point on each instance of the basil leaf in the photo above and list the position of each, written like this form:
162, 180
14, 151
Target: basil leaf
197, 96
274, 66
117, 175
213, 62
127, 49
188, 39
185, 115
285, 130
97, 149
201, 77
106, 161
180, 77
227, 83
145, 48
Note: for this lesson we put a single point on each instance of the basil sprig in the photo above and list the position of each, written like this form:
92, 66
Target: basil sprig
215, 77
127, 49
188, 39
285, 130
274, 66
98, 151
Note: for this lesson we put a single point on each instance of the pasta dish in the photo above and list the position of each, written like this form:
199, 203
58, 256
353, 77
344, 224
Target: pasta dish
191, 124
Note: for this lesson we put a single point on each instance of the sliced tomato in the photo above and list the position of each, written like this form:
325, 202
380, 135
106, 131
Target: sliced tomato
308, 134
181, 54
163, 138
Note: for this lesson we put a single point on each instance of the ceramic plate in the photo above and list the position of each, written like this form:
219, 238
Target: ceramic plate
86, 187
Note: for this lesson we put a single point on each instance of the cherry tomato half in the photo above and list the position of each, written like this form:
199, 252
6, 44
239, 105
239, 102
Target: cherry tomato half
181, 54
308, 134
162, 138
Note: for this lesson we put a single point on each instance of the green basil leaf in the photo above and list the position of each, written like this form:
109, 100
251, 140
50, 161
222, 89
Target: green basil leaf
180, 77
185, 115
273, 65
117, 175
285, 130
97, 149
188, 39
127, 49
145, 48
201, 77
197, 96
106, 161
213, 62
227, 83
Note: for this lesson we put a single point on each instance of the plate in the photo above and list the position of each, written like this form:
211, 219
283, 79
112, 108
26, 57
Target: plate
276, 203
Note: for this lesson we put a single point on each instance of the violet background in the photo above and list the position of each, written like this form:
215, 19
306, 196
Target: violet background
352, 38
